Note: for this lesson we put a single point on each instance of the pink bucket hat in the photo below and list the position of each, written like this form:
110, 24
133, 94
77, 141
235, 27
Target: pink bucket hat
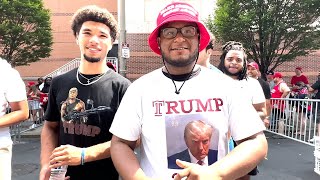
178, 11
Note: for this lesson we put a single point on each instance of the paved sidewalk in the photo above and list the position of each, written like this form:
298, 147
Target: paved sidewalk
287, 159
34, 133
25, 159
26, 153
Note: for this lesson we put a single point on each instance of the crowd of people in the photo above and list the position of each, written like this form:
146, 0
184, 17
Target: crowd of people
37, 94
298, 88
168, 124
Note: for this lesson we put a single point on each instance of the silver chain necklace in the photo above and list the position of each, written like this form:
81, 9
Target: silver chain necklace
97, 78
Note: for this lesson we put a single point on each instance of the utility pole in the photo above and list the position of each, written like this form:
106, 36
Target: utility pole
122, 38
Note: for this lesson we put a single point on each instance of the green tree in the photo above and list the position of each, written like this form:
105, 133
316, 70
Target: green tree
273, 31
25, 32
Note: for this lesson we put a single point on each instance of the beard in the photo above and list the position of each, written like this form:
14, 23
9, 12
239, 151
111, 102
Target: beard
91, 59
181, 62
233, 74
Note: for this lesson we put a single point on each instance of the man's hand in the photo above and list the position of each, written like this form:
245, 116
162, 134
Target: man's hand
195, 172
295, 87
266, 122
44, 173
65, 155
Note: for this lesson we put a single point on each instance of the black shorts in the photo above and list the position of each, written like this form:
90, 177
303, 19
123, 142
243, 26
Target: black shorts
278, 114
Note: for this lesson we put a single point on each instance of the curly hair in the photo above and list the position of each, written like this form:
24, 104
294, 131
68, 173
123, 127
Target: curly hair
233, 45
96, 14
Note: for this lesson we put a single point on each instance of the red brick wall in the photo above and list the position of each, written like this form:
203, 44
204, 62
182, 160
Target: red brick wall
143, 60
64, 45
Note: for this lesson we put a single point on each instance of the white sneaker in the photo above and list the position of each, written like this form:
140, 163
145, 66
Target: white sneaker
33, 126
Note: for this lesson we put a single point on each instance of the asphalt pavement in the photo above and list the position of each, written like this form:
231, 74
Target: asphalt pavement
25, 159
287, 159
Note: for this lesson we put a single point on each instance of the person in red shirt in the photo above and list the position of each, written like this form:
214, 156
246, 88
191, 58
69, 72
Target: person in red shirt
298, 77
280, 90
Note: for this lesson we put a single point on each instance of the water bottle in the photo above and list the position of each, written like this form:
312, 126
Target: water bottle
58, 173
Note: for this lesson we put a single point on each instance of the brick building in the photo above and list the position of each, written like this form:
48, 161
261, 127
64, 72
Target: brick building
64, 47
140, 21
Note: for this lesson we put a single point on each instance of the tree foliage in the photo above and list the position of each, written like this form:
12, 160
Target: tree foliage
273, 31
25, 32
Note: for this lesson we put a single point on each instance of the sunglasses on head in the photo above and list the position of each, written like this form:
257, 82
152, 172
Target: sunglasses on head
171, 32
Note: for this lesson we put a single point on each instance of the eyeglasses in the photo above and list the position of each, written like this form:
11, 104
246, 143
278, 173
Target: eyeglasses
171, 32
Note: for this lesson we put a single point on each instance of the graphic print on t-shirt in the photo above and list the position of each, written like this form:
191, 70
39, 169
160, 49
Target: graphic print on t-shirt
74, 115
72, 107
190, 138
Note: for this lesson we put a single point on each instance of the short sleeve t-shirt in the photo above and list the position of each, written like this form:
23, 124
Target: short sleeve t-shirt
265, 88
296, 79
251, 90
85, 114
12, 89
152, 111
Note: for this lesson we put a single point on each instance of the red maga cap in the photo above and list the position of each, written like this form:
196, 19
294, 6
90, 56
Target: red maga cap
299, 68
31, 83
277, 75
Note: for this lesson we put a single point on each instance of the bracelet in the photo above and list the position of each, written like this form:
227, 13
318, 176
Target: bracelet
83, 150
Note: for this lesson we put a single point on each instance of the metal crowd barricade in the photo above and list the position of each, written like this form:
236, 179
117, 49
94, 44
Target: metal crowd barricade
74, 64
297, 119
27, 125
317, 154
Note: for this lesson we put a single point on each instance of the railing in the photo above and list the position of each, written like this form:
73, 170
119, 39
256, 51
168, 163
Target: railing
74, 64
65, 68
35, 120
296, 119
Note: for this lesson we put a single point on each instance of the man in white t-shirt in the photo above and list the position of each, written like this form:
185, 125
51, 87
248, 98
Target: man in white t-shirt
233, 62
12, 93
157, 107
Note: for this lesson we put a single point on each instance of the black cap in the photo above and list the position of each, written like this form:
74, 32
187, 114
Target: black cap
270, 72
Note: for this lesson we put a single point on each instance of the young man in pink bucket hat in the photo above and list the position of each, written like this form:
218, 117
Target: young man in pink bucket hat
157, 107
